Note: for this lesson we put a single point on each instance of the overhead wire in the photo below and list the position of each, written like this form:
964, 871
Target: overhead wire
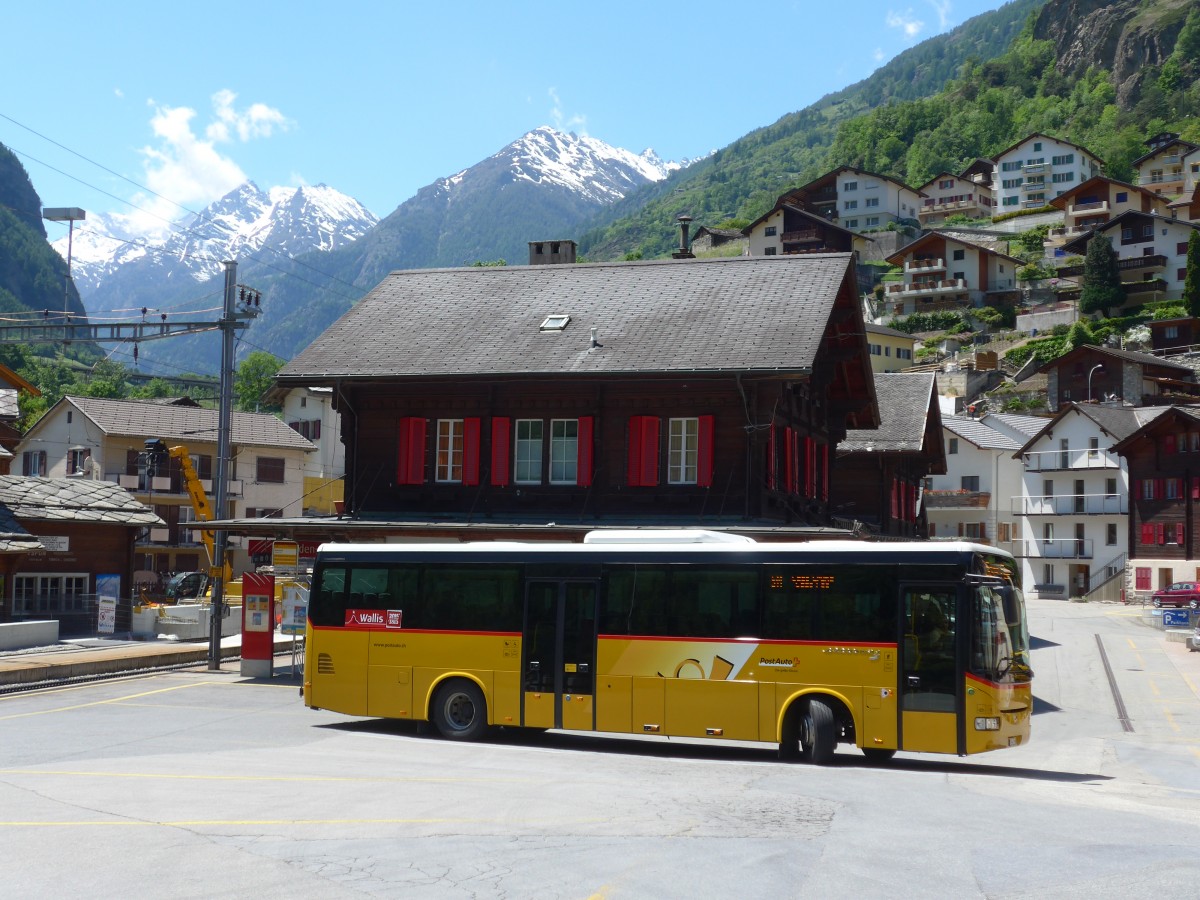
176, 225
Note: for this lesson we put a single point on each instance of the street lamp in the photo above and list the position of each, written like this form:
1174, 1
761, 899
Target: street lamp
70, 214
1090, 374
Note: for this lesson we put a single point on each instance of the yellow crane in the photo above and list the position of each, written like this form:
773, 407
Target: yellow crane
203, 509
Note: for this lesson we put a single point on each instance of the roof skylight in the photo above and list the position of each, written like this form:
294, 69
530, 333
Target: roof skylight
554, 323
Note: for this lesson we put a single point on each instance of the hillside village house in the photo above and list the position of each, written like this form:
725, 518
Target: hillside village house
891, 350
1187, 205
105, 440
973, 497
1099, 200
1163, 460
879, 471
1091, 374
790, 228
1162, 169
947, 195
1038, 168
858, 200
943, 272
1151, 254
545, 401
64, 543
1074, 501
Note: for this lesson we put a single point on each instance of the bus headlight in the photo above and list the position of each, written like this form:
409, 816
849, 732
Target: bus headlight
987, 723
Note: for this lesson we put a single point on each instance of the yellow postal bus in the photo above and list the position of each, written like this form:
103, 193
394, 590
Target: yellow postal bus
884, 646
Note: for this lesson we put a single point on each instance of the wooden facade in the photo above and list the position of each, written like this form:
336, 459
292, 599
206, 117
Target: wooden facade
1164, 486
687, 425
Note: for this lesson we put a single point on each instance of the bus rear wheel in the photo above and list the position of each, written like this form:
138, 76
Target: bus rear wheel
818, 732
459, 711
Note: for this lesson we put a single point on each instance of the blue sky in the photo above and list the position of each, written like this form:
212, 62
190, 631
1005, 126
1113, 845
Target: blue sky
379, 99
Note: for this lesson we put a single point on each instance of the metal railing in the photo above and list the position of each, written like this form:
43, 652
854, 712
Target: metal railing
1071, 505
1054, 548
1059, 460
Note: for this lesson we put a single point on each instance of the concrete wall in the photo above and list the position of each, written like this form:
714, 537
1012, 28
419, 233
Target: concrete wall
19, 635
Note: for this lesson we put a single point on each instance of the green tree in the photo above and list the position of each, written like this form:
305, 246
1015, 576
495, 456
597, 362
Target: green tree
1101, 278
1191, 281
255, 376
1079, 335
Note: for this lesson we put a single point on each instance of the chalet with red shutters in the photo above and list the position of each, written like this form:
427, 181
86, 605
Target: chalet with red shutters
1163, 457
548, 400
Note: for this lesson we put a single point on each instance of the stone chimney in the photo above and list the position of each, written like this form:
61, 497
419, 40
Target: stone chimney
683, 252
551, 253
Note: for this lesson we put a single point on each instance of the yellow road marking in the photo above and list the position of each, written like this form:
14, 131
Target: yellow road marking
177, 687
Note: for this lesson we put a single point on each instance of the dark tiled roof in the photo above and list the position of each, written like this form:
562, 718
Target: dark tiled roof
904, 408
1121, 421
979, 434
740, 314
72, 500
13, 537
174, 422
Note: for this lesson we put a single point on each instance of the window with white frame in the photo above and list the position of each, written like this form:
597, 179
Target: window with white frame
527, 453
682, 450
872, 201
50, 593
564, 451
449, 450
851, 204
75, 460
850, 186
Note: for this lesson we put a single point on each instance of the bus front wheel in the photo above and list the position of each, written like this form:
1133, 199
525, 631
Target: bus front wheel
459, 711
818, 732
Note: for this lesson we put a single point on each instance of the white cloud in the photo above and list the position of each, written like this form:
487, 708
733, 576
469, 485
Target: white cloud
907, 22
575, 122
118, 93
943, 9
879, 55
258, 120
188, 170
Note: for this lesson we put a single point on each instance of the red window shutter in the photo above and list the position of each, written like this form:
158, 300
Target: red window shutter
501, 434
470, 470
1179, 534
1160, 533
642, 470
789, 470
1195, 489
583, 468
1141, 577
825, 475
410, 462
704, 452
1169, 443
1147, 533
772, 461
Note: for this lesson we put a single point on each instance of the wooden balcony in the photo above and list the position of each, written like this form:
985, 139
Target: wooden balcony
801, 236
925, 265
956, 499
1129, 264
927, 288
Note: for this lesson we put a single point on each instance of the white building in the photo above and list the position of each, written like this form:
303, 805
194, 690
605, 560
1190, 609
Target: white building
1163, 168
1074, 501
1035, 170
972, 499
310, 412
954, 195
942, 272
88, 437
859, 200
1151, 254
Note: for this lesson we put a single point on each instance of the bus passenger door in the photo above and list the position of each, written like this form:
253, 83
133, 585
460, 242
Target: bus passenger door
929, 685
559, 655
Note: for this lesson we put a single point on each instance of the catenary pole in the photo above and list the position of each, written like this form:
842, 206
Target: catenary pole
228, 325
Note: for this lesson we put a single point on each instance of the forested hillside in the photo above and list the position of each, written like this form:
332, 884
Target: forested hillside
948, 101
32, 275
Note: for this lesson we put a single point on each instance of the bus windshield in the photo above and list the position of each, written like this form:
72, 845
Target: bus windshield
999, 634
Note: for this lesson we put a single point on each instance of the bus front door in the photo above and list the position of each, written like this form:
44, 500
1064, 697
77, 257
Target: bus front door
929, 685
559, 655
